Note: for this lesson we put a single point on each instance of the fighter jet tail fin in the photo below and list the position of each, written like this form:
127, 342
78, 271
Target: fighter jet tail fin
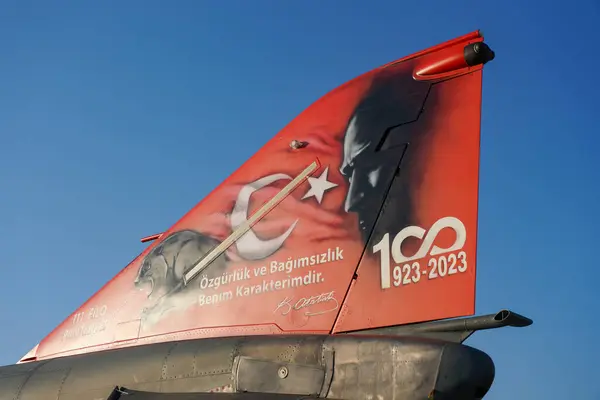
361, 213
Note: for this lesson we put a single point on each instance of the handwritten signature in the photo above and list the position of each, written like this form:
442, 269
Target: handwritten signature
305, 303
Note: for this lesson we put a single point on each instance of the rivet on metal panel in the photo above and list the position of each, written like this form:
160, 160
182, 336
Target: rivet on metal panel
283, 372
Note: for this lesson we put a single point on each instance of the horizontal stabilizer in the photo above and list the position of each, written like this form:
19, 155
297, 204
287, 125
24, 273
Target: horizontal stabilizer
454, 330
120, 393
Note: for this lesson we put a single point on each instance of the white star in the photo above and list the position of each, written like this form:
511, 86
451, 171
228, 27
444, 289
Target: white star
318, 186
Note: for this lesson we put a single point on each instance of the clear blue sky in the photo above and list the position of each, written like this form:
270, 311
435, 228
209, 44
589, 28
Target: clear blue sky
116, 119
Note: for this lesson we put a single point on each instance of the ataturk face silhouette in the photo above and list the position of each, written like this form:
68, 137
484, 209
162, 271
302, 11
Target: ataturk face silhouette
363, 174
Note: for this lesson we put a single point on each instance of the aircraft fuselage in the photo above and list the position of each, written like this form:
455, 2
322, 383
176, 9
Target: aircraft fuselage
342, 367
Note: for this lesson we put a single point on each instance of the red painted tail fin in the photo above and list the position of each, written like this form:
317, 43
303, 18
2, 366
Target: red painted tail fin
361, 213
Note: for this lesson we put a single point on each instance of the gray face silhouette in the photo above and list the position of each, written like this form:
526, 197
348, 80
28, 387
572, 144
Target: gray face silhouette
380, 135
363, 174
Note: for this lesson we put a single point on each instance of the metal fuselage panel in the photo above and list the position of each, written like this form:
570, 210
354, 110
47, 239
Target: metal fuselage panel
342, 367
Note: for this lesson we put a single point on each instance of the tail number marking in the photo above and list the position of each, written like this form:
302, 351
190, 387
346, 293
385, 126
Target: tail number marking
410, 269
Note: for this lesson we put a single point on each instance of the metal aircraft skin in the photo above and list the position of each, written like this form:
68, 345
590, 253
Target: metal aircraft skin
334, 263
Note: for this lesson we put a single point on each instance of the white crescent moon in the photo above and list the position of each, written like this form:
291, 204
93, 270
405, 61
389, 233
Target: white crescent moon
249, 246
